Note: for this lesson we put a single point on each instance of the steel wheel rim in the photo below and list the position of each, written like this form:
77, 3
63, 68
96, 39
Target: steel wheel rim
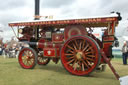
27, 58
75, 59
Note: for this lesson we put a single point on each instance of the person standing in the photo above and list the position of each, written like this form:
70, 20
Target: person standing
125, 53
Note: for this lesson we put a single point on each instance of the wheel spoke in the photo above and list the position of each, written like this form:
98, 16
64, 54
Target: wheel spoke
71, 51
74, 62
86, 47
80, 45
70, 61
74, 46
25, 52
88, 62
83, 44
83, 67
76, 43
32, 60
25, 62
85, 63
31, 57
70, 57
89, 49
68, 54
75, 66
30, 54
91, 56
42, 60
70, 47
28, 63
90, 59
88, 52
92, 51
23, 57
79, 65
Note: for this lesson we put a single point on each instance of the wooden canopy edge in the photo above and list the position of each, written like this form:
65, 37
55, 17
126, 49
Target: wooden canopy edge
65, 22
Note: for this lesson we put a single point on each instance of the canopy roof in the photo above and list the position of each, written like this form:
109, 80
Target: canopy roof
99, 21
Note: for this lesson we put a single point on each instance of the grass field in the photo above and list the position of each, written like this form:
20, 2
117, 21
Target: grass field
54, 74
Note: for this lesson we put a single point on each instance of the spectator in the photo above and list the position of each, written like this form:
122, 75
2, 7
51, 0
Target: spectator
1, 49
125, 53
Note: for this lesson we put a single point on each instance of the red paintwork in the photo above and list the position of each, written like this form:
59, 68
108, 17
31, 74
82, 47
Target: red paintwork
25, 37
54, 52
70, 68
73, 30
57, 37
54, 47
42, 44
106, 51
49, 52
108, 38
106, 48
22, 62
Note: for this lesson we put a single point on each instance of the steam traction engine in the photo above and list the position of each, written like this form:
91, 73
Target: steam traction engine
70, 40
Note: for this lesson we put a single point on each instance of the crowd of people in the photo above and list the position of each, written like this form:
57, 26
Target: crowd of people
11, 51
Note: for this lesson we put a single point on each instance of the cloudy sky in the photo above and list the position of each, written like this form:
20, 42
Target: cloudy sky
22, 10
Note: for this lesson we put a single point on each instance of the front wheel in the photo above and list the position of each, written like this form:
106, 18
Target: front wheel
27, 58
80, 55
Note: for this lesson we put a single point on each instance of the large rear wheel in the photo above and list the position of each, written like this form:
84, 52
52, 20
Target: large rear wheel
27, 58
80, 55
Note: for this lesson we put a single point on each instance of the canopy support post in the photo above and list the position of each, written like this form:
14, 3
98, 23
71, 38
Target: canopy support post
14, 32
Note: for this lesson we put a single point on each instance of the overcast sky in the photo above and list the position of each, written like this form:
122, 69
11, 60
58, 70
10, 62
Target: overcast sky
22, 10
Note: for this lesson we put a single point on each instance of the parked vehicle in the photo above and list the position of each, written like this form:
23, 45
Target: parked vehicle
79, 50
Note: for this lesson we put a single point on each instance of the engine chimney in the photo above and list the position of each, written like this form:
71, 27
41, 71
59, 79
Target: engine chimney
37, 16
37, 9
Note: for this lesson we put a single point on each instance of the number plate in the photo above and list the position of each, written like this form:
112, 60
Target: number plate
49, 52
